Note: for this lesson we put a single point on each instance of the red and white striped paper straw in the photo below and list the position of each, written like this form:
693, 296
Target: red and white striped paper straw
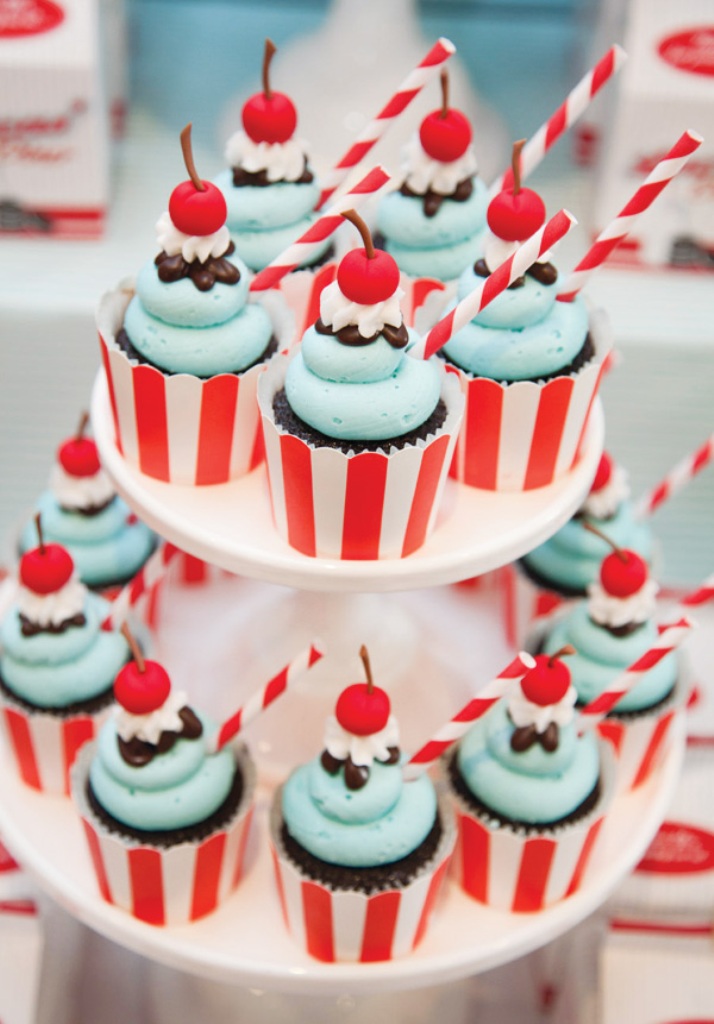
487, 290
701, 595
151, 573
575, 103
265, 696
671, 636
373, 132
677, 478
326, 224
465, 718
620, 227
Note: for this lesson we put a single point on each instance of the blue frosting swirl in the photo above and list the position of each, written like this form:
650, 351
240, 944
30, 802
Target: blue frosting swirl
363, 392
533, 786
53, 670
379, 824
601, 657
106, 548
176, 789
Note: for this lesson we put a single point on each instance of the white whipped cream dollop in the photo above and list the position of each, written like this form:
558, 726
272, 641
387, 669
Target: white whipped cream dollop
607, 610
361, 750
496, 250
337, 311
191, 247
525, 712
423, 173
52, 609
78, 492
604, 503
282, 161
150, 726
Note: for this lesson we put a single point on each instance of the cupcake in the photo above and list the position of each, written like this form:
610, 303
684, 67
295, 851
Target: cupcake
57, 666
431, 225
183, 353
529, 364
82, 511
165, 813
358, 435
270, 191
611, 629
530, 794
359, 853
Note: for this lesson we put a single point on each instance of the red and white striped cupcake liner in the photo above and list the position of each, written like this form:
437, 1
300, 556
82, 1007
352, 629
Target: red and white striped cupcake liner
44, 746
167, 885
176, 427
524, 605
349, 926
524, 435
330, 504
522, 871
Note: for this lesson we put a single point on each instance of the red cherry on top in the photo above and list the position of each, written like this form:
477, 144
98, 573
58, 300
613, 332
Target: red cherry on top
269, 116
516, 213
78, 457
46, 569
196, 207
548, 682
362, 710
604, 472
366, 275
445, 134
139, 692
623, 572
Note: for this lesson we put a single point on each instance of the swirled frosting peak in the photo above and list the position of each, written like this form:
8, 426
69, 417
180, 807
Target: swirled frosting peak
281, 161
337, 312
423, 173
191, 247
610, 610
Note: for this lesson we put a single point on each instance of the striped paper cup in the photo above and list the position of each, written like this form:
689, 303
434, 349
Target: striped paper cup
524, 435
524, 871
45, 744
167, 885
176, 427
524, 604
347, 925
330, 504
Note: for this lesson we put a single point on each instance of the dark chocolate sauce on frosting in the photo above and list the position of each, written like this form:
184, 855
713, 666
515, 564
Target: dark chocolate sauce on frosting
626, 629
356, 775
203, 275
543, 273
398, 337
30, 628
89, 510
137, 752
259, 179
525, 736
432, 200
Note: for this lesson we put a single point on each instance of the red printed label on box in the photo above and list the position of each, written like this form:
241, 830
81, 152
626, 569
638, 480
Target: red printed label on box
679, 849
28, 17
691, 51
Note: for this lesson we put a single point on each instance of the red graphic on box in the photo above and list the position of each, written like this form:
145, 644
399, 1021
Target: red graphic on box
28, 17
691, 51
679, 849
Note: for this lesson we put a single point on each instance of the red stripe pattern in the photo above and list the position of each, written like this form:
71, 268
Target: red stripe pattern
640, 744
44, 746
677, 478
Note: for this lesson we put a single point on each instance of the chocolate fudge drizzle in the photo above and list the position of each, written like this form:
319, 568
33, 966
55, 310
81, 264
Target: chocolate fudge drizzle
30, 628
398, 337
525, 736
137, 752
356, 775
543, 273
431, 201
203, 275
259, 179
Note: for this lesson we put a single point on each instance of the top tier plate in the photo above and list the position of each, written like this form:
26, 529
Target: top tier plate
230, 525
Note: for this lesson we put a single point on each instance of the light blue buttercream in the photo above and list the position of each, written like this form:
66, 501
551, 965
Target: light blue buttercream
53, 670
601, 657
571, 557
368, 392
381, 823
533, 786
182, 304
106, 548
174, 790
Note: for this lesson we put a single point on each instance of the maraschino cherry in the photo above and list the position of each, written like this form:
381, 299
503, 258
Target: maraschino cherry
516, 213
78, 455
46, 568
363, 708
196, 207
367, 275
269, 116
549, 681
623, 572
445, 134
141, 686
603, 475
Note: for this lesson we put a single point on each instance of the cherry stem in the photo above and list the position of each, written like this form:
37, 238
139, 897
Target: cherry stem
41, 539
270, 49
516, 165
188, 158
84, 420
444, 77
354, 218
603, 536
364, 655
568, 649
134, 647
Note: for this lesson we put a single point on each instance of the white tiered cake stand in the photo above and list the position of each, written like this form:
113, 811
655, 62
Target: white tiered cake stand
245, 941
